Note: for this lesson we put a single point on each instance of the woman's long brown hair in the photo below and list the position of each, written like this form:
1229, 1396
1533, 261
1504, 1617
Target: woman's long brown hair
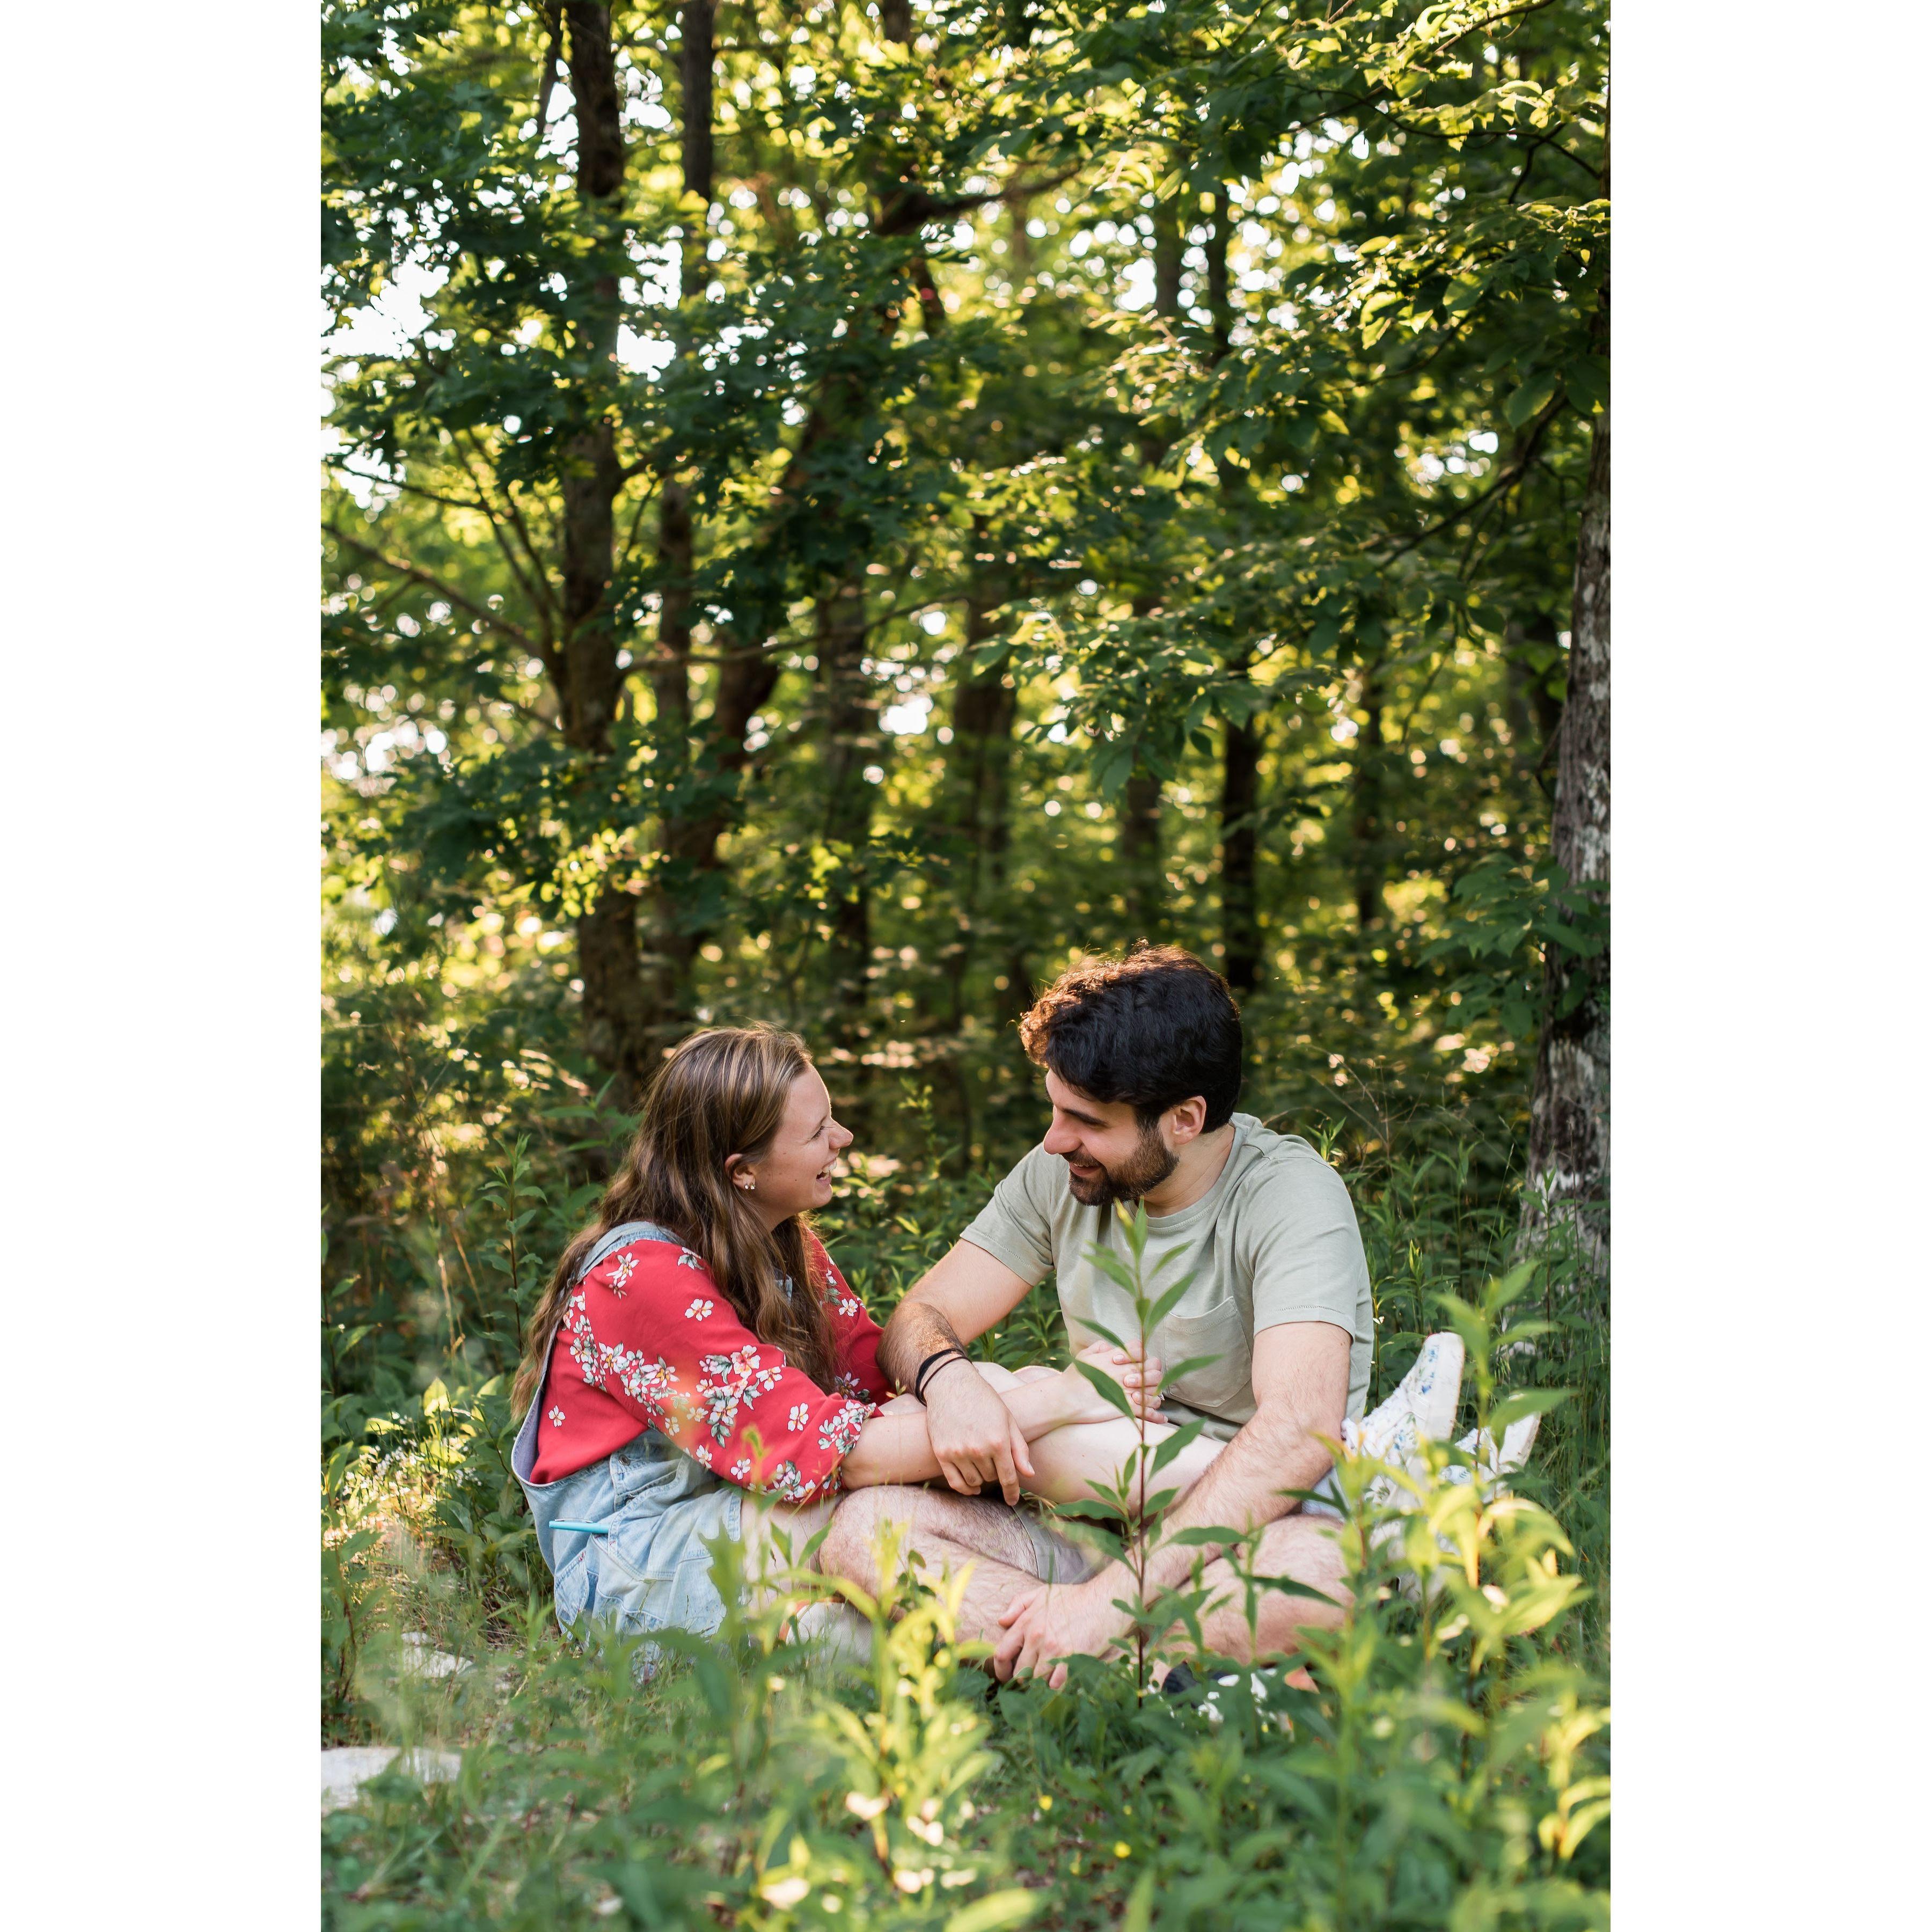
719, 1093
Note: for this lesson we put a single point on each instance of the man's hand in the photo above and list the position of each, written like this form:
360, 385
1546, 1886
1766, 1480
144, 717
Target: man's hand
1053, 1621
975, 1439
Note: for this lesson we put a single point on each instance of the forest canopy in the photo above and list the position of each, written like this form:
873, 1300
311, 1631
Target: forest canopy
832, 511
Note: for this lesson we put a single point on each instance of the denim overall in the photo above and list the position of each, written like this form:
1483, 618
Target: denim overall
652, 1571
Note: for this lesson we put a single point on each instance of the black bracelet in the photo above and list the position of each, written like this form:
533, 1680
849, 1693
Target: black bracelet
932, 1374
937, 1359
919, 1374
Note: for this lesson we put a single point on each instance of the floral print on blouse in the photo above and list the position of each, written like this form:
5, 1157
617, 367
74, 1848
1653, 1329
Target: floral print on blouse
648, 1341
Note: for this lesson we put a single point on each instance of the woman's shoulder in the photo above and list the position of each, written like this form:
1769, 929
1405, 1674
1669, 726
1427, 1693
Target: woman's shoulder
646, 1260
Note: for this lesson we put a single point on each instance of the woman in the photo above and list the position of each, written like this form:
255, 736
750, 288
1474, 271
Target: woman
698, 1365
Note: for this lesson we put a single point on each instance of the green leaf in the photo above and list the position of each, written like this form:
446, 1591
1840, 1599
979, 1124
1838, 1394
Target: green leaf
1100, 1329
1530, 399
1187, 1367
1525, 1402
1108, 1387
1166, 1452
1170, 1300
1588, 381
995, 1912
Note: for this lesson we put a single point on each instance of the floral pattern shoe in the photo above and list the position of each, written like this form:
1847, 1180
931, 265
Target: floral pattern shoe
1495, 1461
1424, 1405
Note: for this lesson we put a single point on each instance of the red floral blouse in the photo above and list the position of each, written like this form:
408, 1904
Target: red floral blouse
648, 1341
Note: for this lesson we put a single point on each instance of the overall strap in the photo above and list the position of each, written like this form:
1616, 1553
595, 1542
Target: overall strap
622, 1236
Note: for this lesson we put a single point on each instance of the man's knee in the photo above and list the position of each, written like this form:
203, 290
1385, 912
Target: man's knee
852, 1537
1305, 1550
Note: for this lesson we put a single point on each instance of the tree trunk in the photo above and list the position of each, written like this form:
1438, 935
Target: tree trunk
1169, 246
985, 706
852, 742
697, 792
616, 1016
1568, 1179
694, 61
895, 20
1533, 712
1240, 909
1366, 834
1144, 887
593, 85
1220, 306
675, 941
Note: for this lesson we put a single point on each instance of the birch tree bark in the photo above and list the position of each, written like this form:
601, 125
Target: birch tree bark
1569, 1167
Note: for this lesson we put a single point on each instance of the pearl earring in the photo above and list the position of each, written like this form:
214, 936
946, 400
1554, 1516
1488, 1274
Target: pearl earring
750, 1183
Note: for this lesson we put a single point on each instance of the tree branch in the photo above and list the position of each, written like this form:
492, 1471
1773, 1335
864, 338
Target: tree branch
1522, 462
538, 593
449, 592
553, 16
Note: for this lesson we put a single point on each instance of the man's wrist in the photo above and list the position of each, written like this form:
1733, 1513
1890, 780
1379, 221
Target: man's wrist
939, 1368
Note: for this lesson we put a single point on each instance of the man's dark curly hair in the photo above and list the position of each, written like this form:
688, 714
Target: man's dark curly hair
1152, 1030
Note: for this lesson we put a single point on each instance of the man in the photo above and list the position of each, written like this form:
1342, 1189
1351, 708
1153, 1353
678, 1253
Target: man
1142, 1058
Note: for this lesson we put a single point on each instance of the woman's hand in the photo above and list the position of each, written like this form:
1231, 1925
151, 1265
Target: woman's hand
1139, 1381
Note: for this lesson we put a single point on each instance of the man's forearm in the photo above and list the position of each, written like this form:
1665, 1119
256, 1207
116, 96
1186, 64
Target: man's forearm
916, 1330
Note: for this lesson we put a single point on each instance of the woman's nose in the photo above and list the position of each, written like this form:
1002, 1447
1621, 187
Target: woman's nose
842, 1137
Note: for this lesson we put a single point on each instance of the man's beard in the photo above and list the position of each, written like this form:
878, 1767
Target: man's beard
1143, 1171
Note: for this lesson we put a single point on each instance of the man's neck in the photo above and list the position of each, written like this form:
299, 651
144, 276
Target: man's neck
1201, 1161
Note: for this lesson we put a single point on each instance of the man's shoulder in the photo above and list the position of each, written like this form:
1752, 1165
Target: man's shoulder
1282, 1171
1031, 1193
1043, 1175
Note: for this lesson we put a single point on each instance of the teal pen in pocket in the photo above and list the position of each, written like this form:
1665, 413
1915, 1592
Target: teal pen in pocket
585, 1529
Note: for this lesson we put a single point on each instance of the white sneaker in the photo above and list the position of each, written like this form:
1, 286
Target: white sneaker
1493, 1461
1423, 1406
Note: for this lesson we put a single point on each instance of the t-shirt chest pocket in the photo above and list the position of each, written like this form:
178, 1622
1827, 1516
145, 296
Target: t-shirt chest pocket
1223, 1385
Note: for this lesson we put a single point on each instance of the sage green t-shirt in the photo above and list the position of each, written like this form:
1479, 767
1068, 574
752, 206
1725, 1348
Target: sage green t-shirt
1274, 1240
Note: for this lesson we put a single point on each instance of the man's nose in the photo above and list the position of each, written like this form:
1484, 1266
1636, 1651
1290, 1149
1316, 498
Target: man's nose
1060, 1140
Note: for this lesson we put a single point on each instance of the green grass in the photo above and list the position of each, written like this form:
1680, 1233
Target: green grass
1440, 1774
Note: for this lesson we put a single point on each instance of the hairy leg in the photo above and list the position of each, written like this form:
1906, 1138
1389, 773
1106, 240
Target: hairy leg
949, 1532
773, 1536
1306, 1549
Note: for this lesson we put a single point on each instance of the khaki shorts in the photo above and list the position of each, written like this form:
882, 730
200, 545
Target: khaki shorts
1060, 1558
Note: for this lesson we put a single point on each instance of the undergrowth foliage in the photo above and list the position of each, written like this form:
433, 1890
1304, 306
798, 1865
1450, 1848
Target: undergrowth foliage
1448, 1769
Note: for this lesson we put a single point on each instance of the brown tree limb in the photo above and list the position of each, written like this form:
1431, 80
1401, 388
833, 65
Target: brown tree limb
448, 591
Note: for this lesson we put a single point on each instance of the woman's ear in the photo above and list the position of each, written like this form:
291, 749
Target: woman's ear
738, 1175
